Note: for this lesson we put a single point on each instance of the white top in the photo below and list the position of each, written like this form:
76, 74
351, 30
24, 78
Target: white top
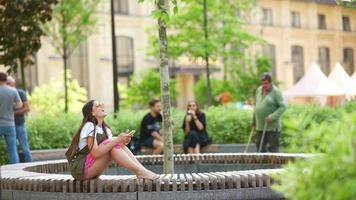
88, 130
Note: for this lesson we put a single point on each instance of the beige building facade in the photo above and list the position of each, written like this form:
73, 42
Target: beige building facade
297, 33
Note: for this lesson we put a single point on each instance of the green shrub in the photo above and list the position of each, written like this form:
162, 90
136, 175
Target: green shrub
46, 131
218, 87
228, 125
246, 78
3, 152
49, 98
299, 118
144, 87
330, 176
225, 125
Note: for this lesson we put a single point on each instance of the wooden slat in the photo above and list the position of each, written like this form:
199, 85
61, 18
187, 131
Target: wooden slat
213, 181
182, 182
189, 179
197, 180
205, 180
174, 182
166, 181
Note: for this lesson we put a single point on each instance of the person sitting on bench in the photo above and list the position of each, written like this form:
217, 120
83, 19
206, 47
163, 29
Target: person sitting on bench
150, 135
194, 127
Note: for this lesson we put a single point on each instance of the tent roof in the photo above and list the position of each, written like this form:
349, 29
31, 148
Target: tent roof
342, 79
354, 76
314, 83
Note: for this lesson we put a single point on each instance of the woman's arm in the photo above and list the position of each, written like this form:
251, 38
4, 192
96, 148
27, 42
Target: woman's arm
187, 120
157, 136
99, 150
200, 123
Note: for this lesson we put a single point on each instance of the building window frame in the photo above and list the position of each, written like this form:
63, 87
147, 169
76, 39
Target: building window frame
349, 60
297, 59
267, 17
121, 7
125, 55
322, 21
269, 51
295, 19
324, 59
346, 25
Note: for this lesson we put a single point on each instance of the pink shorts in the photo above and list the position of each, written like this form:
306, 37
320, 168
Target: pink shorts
89, 161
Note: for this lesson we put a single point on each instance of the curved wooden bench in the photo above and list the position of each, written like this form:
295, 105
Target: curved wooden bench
46, 176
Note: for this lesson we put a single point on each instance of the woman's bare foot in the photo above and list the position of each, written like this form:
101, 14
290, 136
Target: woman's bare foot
146, 174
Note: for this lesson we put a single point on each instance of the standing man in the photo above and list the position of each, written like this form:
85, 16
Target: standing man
21, 132
9, 100
269, 108
151, 126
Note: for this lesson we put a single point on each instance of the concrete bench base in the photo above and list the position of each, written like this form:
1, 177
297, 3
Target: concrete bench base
246, 194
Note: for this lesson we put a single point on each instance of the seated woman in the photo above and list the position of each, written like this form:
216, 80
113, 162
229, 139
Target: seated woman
194, 127
93, 147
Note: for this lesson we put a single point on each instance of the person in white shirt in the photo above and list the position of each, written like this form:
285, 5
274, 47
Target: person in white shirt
93, 147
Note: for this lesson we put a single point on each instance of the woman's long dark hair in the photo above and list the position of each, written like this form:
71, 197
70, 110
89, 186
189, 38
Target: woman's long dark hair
87, 117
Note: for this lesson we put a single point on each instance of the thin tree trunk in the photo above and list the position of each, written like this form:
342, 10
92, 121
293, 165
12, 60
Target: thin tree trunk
65, 84
168, 165
23, 84
208, 85
225, 63
65, 58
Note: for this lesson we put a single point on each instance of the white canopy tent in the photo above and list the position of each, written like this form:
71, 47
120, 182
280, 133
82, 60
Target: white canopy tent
314, 84
339, 76
354, 76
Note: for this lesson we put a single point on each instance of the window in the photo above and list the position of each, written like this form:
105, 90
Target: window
270, 52
321, 21
125, 55
78, 63
121, 7
295, 16
298, 62
346, 24
348, 60
267, 17
324, 59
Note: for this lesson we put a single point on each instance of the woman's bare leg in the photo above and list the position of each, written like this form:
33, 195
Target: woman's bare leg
99, 166
197, 149
124, 160
190, 150
131, 155
158, 147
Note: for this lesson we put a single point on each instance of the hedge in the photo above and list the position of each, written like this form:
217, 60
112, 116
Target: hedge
225, 125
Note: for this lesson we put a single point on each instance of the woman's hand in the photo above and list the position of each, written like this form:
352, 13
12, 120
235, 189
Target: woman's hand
194, 115
188, 118
124, 138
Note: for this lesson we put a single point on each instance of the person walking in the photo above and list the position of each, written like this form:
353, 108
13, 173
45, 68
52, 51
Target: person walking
9, 100
269, 108
20, 126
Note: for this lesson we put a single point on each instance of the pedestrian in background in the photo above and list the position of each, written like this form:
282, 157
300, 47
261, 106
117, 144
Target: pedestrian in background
9, 100
269, 108
20, 126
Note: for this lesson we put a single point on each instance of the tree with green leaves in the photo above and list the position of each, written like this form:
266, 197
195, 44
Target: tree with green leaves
20, 32
347, 3
162, 16
72, 22
145, 87
211, 31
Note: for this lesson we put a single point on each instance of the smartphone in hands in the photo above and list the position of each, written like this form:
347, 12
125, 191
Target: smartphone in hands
132, 132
